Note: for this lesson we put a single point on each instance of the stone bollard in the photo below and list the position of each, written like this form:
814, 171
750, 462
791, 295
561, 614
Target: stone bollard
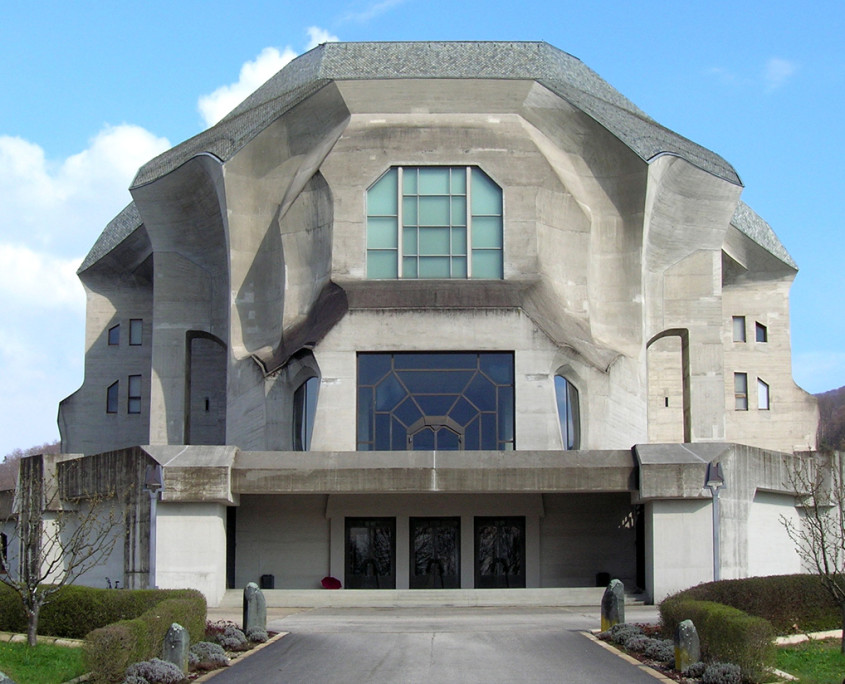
176, 645
613, 605
255, 608
687, 645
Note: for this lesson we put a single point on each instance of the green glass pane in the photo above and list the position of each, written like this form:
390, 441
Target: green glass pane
459, 267
487, 232
434, 211
459, 181
409, 211
382, 264
409, 241
382, 196
459, 211
409, 181
409, 267
381, 233
486, 195
486, 263
434, 180
459, 241
434, 241
434, 267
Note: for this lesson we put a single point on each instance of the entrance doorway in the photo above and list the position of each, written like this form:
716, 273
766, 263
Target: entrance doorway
500, 552
371, 553
435, 546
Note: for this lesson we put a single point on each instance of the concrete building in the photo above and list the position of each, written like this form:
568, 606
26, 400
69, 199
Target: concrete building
441, 315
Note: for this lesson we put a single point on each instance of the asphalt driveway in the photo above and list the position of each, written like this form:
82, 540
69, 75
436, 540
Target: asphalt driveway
436, 645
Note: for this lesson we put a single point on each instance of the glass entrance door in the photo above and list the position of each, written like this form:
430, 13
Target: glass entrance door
435, 553
499, 552
371, 553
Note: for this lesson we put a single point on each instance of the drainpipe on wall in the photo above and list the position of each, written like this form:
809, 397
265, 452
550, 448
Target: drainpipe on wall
715, 481
153, 483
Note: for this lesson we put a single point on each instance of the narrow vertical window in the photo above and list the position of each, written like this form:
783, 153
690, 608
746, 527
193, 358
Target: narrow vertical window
4, 550
134, 397
136, 331
114, 335
569, 413
304, 410
762, 332
762, 395
112, 397
739, 328
741, 391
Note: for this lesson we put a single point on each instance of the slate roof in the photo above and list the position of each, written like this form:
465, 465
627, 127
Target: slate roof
556, 70
565, 75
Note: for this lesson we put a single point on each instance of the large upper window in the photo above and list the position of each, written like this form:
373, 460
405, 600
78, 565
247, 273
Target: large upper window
569, 412
434, 222
435, 401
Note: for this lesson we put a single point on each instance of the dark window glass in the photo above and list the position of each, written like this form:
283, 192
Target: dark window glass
112, 398
136, 331
435, 547
114, 335
568, 412
370, 553
762, 333
134, 397
444, 401
500, 552
304, 409
741, 391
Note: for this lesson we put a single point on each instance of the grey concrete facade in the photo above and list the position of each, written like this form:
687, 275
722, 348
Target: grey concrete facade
628, 262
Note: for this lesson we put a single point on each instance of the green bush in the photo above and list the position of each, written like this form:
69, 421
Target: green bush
726, 633
111, 649
75, 610
792, 603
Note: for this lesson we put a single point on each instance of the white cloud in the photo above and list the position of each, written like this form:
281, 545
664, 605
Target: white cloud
778, 71
254, 74
51, 212
318, 36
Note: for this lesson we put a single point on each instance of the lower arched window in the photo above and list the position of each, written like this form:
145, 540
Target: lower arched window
304, 409
569, 412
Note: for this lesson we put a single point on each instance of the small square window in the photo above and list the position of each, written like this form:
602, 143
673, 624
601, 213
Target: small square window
111, 397
762, 395
762, 332
741, 391
114, 335
136, 331
739, 328
134, 397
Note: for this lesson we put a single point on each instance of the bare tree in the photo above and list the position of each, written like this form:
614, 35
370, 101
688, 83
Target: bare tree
819, 535
56, 541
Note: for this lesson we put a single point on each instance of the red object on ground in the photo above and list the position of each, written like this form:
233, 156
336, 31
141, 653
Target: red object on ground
330, 583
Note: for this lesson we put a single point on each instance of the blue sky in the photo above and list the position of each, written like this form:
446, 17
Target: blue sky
91, 90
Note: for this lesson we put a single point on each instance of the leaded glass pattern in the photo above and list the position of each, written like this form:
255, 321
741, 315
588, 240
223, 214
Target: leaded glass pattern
434, 222
446, 401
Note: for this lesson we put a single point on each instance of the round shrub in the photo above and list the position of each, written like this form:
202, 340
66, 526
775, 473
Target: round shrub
721, 673
661, 650
256, 635
694, 671
619, 634
638, 643
208, 656
156, 671
135, 679
232, 639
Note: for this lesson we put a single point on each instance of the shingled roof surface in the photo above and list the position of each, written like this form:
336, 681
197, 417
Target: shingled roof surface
560, 72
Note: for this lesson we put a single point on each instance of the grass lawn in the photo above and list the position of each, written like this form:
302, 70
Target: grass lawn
44, 664
813, 662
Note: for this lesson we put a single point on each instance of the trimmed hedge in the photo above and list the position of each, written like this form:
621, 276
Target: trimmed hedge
75, 610
110, 650
792, 603
726, 633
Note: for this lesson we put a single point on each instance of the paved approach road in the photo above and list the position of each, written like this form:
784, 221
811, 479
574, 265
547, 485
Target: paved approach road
434, 645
